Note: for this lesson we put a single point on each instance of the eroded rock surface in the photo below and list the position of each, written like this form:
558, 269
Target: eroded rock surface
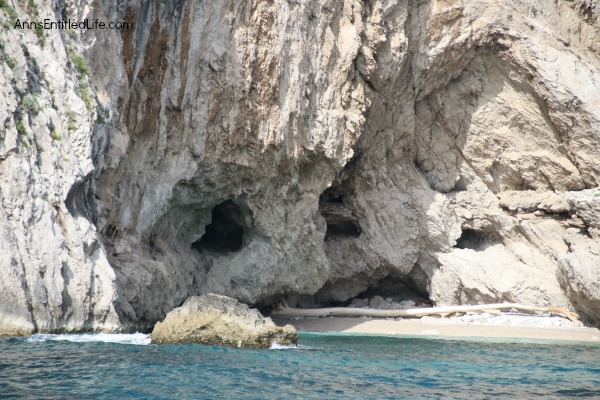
299, 150
54, 273
220, 321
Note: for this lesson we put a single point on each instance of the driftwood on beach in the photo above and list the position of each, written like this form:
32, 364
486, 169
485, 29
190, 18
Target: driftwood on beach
414, 312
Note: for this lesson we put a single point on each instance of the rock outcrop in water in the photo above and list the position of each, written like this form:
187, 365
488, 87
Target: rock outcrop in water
220, 321
297, 150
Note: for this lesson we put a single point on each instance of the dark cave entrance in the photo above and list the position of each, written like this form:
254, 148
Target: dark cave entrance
474, 239
225, 233
394, 288
399, 288
340, 221
342, 229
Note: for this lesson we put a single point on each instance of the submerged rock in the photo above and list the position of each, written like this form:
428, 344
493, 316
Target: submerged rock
220, 321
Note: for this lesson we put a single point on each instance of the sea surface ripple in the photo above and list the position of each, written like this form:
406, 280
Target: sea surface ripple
322, 367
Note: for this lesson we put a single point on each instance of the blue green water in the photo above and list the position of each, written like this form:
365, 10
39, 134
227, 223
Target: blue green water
323, 367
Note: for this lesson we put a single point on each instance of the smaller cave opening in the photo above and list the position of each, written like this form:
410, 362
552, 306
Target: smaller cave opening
474, 239
564, 216
328, 198
341, 222
342, 229
396, 288
397, 291
331, 195
225, 233
80, 200
459, 186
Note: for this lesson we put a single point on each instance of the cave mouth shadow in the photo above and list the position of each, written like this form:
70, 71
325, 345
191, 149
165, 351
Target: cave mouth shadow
342, 229
475, 240
398, 288
340, 221
225, 233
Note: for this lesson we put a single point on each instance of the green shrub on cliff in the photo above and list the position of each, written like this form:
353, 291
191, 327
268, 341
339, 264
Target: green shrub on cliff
55, 136
10, 62
85, 96
78, 62
72, 120
12, 14
21, 129
29, 104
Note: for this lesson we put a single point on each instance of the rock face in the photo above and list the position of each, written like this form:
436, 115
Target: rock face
220, 321
297, 150
579, 270
54, 274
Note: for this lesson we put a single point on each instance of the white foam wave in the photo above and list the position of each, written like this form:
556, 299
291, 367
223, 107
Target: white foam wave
131, 338
277, 346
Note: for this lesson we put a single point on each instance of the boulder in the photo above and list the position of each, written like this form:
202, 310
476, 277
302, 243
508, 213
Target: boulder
377, 302
220, 321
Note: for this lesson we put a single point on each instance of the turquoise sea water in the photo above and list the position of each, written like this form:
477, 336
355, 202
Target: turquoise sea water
322, 367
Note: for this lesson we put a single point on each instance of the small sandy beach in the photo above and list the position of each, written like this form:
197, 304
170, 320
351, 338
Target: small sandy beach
473, 325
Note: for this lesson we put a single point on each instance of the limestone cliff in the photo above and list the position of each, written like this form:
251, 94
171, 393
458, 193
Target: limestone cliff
54, 275
298, 150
